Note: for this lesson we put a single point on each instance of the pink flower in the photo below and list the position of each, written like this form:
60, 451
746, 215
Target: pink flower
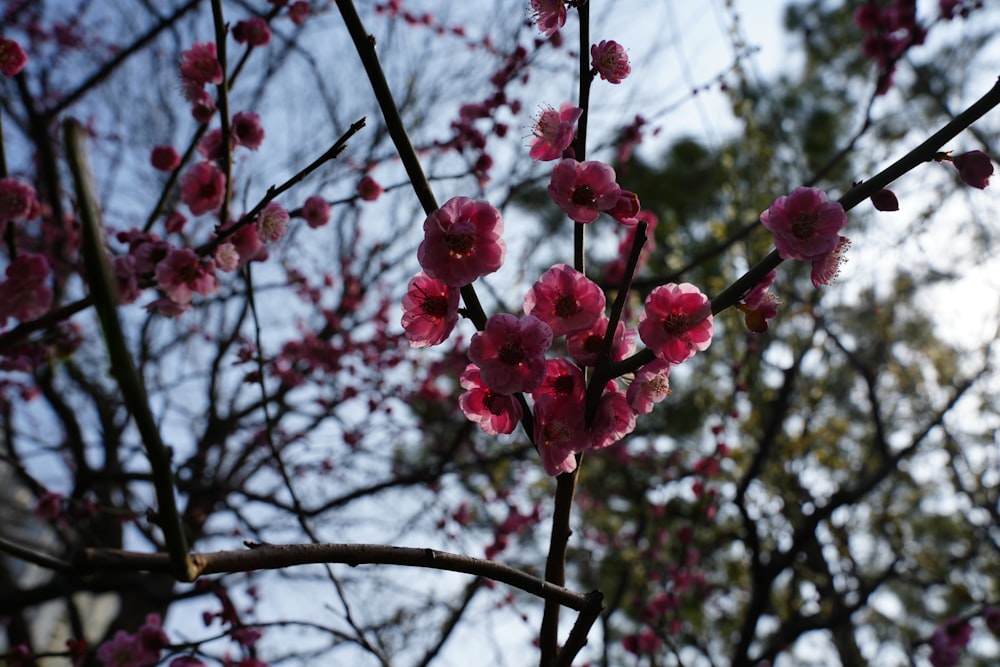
559, 434
253, 31
199, 64
626, 208
974, 168
202, 106
462, 242
613, 421
248, 245
650, 386
584, 346
247, 130
759, 305
50, 506
826, 268
174, 223
182, 274
316, 211
139, 650
12, 57
583, 189
369, 189
495, 413
550, 15
565, 299
804, 223
210, 146
510, 352
227, 259
608, 58
272, 222
203, 187
25, 294
676, 322
430, 311
563, 381
165, 158
17, 201
126, 279
554, 131
299, 12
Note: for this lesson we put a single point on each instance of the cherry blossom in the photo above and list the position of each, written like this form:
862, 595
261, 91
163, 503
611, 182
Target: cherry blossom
676, 322
253, 31
974, 168
550, 15
12, 57
583, 189
182, 274
650, 386
247, 131
495, 413
316, 211
203, 187
565, 299
510, 352
200, 65
165, 158
804, 223
462, 242
272, 222
430, 311
554, 132
608, 58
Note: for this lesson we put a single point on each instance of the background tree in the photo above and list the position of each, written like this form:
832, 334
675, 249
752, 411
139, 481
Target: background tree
827, 488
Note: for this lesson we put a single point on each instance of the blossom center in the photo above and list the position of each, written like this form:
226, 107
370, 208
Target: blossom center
459, 244
676, 324
511, 351
566, 306
563, 385
491, 403
803, 227
593, 343
435, 306
583, 196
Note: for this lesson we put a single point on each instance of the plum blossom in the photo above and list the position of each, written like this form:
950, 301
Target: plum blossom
12, 57
462, 242
510, 352
495, 413
247, 131
25, 294
608, 58
564, 381
200, 65
299, 12
565, 299
253, 31
626, 209
676, 322
316, 211
369, 189
203, 187
139, 650
17, 201
182, 274
584, 189
272, 222
559, 433
584, 346
826, 268
430, 311
804, 223
550, 15
165, 158
974, 168
554, 131
227, 259
759, 305
650, 386
613, 420
885, 200
50, 506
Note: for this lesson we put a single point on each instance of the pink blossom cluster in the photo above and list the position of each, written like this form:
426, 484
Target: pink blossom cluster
806, 226
25, 294
200, 67
12, 57
890, 31
141, 649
